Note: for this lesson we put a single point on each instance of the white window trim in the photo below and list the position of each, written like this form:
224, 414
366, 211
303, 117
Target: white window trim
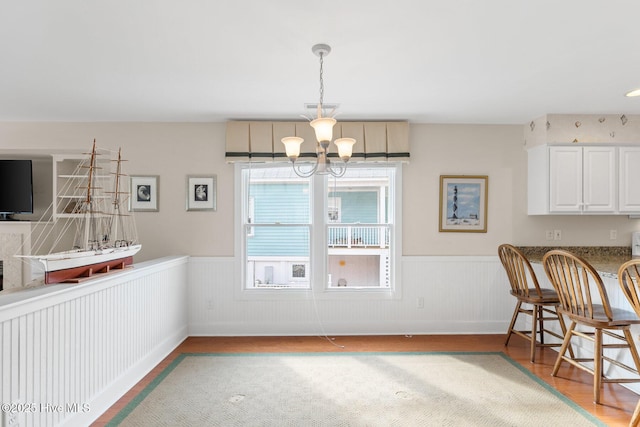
318, 259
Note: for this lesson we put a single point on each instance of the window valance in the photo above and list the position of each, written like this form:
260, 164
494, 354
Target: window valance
260, 141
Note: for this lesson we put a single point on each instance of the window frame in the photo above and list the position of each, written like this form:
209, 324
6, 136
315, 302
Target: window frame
319, 251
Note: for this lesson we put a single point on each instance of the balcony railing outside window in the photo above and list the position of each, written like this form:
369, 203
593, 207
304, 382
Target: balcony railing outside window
358, 236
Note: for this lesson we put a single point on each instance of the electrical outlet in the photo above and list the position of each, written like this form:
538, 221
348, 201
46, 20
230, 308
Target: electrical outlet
557, 234
549, 234
613, 234
420, 302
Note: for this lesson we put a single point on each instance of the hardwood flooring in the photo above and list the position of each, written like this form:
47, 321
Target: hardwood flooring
617, 405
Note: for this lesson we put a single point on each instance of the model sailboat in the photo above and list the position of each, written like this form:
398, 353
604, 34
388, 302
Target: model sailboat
105, 235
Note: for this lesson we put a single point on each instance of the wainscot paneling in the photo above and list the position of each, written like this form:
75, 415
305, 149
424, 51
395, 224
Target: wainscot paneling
70, 351
461, 294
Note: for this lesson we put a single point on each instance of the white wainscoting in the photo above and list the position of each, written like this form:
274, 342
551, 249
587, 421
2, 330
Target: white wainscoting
72, 350
461, 294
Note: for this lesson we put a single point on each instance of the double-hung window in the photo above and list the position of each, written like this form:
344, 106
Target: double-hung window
321, 232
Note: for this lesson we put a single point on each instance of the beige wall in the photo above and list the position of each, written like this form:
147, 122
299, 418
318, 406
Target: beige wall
175, 150
170, 150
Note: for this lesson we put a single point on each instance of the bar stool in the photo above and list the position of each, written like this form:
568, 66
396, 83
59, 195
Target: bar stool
525, 287
572, 275
629, 278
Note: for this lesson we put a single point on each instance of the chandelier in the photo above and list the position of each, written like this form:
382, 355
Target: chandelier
323, 127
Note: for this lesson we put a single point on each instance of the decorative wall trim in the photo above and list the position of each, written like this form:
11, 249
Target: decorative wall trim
582, 128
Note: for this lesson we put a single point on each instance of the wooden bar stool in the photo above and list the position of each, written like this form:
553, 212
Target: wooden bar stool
572, 276
629, 279
525, 287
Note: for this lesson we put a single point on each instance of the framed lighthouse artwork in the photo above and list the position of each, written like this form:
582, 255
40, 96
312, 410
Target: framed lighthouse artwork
463, 203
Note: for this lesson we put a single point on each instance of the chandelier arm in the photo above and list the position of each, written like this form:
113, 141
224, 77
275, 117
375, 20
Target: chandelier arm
337, 173
304, 174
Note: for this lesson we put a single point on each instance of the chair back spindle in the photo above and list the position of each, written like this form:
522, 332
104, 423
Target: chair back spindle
572, 276
519, 271
629, 279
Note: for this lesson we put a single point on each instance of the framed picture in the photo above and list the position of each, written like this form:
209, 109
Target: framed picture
201, 193
144, 193
463, 203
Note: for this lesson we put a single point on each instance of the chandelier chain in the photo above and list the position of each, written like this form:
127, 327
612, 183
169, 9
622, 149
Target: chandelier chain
321, 80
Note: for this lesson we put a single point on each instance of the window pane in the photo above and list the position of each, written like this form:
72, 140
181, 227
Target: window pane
278, 257
277, 195
359, 227
277, 228
359, 271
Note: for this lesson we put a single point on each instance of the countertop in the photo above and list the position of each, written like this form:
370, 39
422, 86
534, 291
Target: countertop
605, 259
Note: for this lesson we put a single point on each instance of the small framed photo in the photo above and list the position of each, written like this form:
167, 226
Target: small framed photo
144, 193
201, 193
463, 203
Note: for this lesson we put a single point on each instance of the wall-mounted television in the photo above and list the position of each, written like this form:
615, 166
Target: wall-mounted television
16, 188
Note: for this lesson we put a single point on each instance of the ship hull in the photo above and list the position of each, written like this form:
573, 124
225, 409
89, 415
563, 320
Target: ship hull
70, 266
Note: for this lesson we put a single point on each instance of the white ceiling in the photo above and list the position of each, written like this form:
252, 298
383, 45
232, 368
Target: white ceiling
445, 61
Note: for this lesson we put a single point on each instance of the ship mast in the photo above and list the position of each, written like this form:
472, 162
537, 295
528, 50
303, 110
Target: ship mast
89, 224
116, 200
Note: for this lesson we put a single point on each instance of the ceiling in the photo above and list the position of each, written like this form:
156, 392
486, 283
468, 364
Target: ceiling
426, 61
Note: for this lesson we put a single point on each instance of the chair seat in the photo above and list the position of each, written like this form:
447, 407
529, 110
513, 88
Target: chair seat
547, 296
620, 317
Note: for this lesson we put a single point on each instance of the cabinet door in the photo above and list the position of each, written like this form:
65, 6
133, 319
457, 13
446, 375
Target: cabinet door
629, 191
565, 179
599, 179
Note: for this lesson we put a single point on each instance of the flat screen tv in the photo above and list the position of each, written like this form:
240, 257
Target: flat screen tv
16, 188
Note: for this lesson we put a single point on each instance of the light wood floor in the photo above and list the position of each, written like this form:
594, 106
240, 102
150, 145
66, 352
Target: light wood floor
617, 405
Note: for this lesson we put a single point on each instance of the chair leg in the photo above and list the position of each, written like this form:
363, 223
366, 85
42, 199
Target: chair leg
563, 327
563, 348
541, 322
635, 418
513, 321
633, 349
597, 365
534, 323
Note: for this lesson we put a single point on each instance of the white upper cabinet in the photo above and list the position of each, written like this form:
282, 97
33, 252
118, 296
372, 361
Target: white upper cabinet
565, 179
597, 175
629, 180
573, 180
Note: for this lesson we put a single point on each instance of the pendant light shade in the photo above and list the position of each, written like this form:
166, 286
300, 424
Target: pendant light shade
324, 128
292, 146
345, 148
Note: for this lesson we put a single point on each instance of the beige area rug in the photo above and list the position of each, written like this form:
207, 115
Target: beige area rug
350, 389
